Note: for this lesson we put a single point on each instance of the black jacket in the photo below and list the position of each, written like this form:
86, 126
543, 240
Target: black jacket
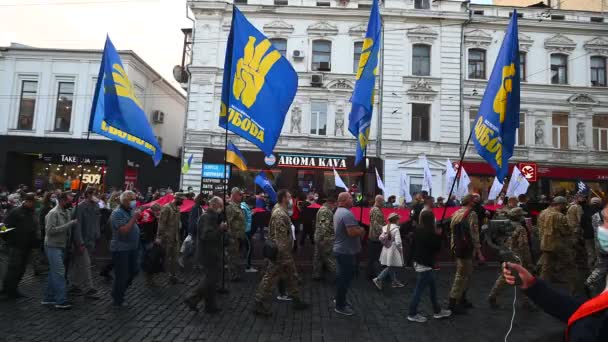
560, 305
26, 226
209, 239
427, 245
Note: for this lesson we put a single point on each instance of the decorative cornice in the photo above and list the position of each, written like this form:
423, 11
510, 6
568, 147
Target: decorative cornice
422, 34
278, 27
525, 42
358, 30
340, 85
421, 90
559, 43
477, 38
322, 28
597, 46
582, 100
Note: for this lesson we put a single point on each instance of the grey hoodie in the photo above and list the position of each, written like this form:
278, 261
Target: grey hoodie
58, 227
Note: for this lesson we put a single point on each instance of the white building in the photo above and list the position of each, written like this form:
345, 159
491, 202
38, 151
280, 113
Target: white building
45, 105
426, 89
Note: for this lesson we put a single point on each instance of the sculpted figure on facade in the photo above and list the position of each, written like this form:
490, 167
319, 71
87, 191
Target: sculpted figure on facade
580, 134
339, 130
296, 120
539, 133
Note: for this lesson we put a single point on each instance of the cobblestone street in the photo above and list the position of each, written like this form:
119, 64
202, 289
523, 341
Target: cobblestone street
159, 315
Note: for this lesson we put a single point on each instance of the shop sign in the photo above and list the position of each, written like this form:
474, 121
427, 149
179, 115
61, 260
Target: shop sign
529, 171
92, 178
270, 160
215, 171
60, 158
130, 177
312, 162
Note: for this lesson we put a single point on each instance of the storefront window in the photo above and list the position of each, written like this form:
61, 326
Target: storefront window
53, 176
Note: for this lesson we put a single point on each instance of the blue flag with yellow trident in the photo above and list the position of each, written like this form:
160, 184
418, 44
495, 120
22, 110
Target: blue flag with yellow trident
116, 113
259, 85
498, 117
360, 117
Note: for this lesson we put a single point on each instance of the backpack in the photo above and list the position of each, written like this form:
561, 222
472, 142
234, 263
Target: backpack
385, 238
463, 241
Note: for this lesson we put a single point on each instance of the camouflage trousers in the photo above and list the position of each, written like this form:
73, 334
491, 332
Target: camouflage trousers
284, 269
233, 258
171, 256
462, 280
582, 263
599, 277
323, 257
558, 268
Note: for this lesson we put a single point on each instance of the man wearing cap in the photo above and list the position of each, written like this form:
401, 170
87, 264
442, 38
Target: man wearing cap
236, 232
575, 222
464, 227
168, 234
374, 246
518, 244
556, 263
324, 240
84, 236
20, 241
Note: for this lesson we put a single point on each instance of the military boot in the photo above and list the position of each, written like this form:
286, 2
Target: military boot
298, 304
456, 308
261, 309
493, 302
465, 302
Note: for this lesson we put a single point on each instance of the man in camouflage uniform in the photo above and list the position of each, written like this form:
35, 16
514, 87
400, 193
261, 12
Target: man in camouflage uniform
464, 261
284, 266
236, 233
556, 262
518, 244
574, 216
374, 246
168, 234
324, 240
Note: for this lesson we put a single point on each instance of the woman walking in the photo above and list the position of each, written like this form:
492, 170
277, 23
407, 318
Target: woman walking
392, 253
427, 243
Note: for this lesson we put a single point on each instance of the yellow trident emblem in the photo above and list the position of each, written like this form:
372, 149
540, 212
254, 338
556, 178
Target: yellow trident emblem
251, 71
506, 86
123, 86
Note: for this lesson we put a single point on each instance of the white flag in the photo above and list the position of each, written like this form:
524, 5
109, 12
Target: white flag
339, 182
518, 184
463, 183
495, 190
404, 188
379, 182
450, 177
427, 182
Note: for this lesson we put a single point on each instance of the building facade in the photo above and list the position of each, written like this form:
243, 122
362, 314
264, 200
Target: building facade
579, 5
436, 57
45, 108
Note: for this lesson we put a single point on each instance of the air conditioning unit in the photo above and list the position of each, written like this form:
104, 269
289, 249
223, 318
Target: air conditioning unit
324, 66
316, 80
298, 54
158, 117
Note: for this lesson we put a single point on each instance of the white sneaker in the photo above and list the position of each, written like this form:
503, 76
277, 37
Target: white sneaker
397, 284
51, 302
418, 318
378, 283
251, 270
285, 298
180, 261
442, 314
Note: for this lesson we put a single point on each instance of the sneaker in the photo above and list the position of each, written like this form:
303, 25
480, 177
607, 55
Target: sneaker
251, 270
348, 304
48, 302
442, 314
180, 261
378, 283
418, 318
64, 306
284, 298
397, 284
346, 311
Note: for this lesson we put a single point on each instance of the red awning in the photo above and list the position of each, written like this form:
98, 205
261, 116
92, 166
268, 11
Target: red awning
546, 171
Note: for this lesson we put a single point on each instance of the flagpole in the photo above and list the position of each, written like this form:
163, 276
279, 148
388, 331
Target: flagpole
464, 151
223, 288
380, 97
363, 185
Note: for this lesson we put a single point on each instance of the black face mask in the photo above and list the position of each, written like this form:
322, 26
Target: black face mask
67, 205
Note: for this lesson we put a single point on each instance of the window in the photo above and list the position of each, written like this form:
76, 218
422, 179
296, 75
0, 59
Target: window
477, 64
560, 130
364, 6
422, 4
559, 68
27, 105
357, 56
598, 71
420, 122
415, 184
281, 2
520, 136
478, 12
321, 55
596, 19
421, 60
522, 65
280, 44
557, 17
472, 118
600, 132
323, 4
318, 118
242, 2
519, 15
63, 109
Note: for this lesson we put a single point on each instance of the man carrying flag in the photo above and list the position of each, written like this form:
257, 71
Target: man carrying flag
498, 119
362, 100
116, 113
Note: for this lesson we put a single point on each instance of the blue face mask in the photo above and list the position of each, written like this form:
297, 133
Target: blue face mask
602, 238
133, 204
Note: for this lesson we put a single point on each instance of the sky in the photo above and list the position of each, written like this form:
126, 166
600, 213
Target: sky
151, 28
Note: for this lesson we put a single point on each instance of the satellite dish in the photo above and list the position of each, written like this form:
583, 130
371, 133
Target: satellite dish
180, 74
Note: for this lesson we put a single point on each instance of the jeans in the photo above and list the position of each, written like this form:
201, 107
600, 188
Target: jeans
125, 269
345, 268
424, 279
387, 274
55, 288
